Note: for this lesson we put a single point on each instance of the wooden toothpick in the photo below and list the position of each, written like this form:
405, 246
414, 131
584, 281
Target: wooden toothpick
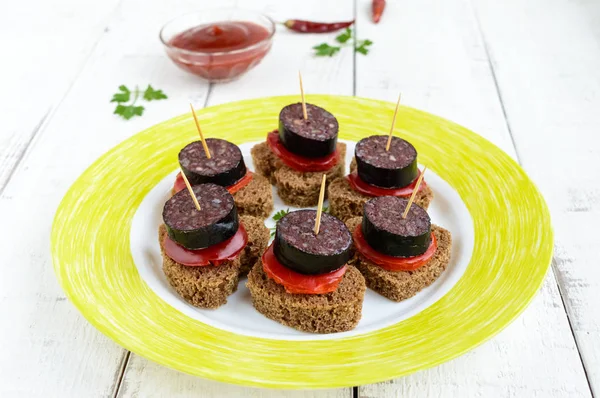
320, 206
206, 151
389, 141
191, 191
414, 193
302, 94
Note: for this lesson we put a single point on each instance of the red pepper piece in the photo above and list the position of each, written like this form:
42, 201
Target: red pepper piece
297, 283
297, 162
371, 190
298, 25
245, 180
377, 7
215, 255
390, 263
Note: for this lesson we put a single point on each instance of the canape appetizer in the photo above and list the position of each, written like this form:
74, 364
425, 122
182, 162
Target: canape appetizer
205, 246
226, 167
295, 156
398, 256
374, 172
303, 280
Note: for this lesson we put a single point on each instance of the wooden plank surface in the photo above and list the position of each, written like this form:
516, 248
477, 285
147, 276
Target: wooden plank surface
441, 66
48, 349
45, 45
548, 71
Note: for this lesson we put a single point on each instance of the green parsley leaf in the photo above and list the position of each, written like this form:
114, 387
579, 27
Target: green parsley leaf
325, 49
361, 46
123, 96
128, 111
273, 232
325, 209
151, 94
280, 214
126, 106
345, 36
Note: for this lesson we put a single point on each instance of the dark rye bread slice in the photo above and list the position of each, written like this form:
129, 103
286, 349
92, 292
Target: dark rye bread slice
345, 203
209, 286
265, 161
256, 198
302, 189
294, 188
333, 312
258, 239
400, 285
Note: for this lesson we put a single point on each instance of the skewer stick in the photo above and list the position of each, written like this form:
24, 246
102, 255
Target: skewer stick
320, 206
414, 193
206, 151
190, 190
302, 94
389, 141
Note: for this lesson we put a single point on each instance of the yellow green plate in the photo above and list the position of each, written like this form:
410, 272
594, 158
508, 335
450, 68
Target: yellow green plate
507, 260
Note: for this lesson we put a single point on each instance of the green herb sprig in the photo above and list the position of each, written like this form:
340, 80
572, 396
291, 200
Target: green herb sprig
344, 39
127, 109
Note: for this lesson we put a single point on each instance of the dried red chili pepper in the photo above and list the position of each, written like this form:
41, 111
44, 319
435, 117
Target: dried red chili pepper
302, 26
377, 7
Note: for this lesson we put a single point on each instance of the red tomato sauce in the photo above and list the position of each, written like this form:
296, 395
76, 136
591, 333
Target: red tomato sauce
223, 36
208, 48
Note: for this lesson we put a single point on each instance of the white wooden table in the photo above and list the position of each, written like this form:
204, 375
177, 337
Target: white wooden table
523, 73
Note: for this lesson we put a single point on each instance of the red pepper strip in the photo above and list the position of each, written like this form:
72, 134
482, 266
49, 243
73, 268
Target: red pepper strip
179, 183
377, 7
301, 26
391, 263
300, 163
215, 254
242, 182
298, 283
371, 190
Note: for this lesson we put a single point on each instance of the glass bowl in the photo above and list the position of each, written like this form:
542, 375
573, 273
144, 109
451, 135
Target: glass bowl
217, 65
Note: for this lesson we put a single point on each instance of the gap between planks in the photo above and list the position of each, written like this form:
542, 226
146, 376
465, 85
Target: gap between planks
564, 305
34, 133
553, 268
121, 375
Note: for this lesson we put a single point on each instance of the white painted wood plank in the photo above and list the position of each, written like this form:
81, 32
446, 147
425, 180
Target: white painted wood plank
438, 61
47, 348
45, 45
548, 70
150, 380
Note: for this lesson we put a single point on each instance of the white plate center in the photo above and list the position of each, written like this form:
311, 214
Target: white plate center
239, 316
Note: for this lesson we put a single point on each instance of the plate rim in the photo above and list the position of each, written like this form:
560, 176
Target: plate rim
397, 367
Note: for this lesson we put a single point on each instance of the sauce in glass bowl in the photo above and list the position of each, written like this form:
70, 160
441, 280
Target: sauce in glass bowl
218, 37
218, 50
